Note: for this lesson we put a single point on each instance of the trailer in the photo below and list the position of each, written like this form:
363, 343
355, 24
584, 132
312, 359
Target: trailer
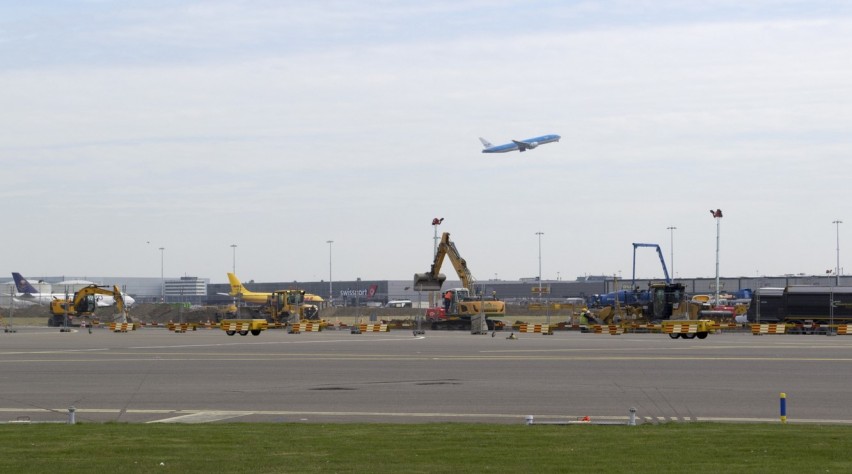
688, 328
243, 326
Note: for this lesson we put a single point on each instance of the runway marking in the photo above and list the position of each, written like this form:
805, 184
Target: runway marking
203, 417
404, 358
262, 343
207, 416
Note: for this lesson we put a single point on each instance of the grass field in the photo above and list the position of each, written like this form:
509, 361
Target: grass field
426, 448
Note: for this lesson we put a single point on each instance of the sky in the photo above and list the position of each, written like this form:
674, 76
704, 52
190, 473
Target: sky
130, 126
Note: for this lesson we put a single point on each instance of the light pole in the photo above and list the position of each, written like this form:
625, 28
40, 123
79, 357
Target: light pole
330, 290
234, 259
837, 270
162, 280
539, 234
717, 214
435, 223
671, 230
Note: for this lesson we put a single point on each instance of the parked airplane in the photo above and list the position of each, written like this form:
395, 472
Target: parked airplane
27, 292
253, 297
520, 145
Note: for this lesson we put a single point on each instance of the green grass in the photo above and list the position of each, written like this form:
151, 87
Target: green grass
426, 448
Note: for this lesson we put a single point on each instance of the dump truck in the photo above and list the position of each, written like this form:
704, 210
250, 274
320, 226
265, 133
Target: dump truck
462, 304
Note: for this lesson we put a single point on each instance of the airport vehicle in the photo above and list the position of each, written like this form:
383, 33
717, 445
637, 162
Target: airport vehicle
462, 305
399, 304
83, 304
798, 304
27, 292
243, 326
519, 145
688, 329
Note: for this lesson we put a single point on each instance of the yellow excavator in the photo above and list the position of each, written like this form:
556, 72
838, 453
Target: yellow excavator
459, 303
83, 304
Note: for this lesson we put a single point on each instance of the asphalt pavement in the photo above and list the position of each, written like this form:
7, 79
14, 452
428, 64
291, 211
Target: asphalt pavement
153, 375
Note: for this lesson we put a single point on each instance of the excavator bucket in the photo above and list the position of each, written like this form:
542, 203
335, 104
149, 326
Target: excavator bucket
427, 282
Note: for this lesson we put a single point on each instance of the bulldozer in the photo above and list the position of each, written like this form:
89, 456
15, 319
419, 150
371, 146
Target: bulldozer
461, 304
63, 312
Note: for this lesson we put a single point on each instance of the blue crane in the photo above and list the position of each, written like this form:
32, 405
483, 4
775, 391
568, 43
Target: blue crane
662, 261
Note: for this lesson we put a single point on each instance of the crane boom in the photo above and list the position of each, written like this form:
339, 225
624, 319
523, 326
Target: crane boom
662, 261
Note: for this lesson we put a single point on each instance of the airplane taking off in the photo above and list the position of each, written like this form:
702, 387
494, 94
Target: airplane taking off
520, 145
253, 297
28, 293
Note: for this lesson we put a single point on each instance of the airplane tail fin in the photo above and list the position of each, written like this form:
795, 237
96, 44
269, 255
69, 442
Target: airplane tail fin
485, 143
22, 284
237, 287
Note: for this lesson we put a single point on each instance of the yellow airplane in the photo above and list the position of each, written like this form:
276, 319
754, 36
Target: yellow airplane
248, 296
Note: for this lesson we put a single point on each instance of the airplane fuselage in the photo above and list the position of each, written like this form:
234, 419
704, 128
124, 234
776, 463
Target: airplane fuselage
522, 145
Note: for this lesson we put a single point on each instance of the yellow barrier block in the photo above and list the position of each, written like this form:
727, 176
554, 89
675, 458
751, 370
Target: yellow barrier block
768, 329
535, 328
122, 327
610, 329
373, 327
305, 327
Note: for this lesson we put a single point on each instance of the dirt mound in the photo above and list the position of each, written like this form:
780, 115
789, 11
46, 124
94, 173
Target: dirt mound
142, 312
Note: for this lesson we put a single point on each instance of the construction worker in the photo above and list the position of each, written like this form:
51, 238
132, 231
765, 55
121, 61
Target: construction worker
448, 300
584, 321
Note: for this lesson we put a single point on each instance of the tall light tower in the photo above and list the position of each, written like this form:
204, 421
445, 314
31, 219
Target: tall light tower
330, 291
837, 270
162, 280
717, 214
539, 234
234, 259
671, 230
435, 223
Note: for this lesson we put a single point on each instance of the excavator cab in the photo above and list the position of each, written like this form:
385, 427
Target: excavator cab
87, 304
667, 299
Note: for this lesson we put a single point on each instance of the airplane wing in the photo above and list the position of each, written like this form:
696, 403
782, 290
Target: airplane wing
523, 146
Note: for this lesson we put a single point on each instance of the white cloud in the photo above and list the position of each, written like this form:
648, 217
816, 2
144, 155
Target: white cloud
273, 124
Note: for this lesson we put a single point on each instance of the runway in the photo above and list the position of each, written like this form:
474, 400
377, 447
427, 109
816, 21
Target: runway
152, 375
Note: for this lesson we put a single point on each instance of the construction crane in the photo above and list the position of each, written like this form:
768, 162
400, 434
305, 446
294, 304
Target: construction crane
462, 302
662, 261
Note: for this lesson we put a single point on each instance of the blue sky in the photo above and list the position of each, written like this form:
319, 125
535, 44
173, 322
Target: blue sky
280, 125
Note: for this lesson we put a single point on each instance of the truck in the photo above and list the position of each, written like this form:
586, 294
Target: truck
63, 312
463, 304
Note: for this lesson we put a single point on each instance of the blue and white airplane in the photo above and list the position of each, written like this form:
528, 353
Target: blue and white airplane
520, 145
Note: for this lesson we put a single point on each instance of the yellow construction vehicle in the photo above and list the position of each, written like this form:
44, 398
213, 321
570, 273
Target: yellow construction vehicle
289, 306
83, 304
459, 304
243, 326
